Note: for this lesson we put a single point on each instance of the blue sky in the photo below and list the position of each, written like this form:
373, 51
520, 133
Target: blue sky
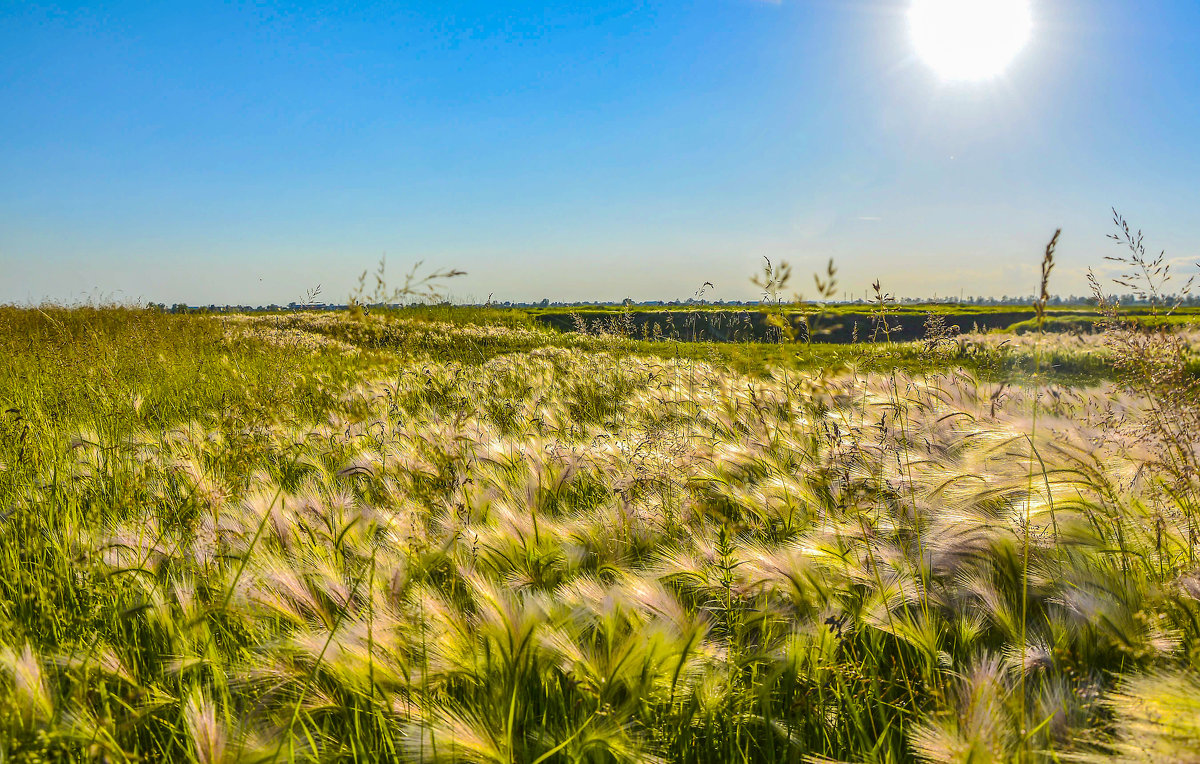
224, 152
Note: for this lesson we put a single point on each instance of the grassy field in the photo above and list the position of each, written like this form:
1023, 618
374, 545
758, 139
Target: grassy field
836, 324
448, 535
916, 309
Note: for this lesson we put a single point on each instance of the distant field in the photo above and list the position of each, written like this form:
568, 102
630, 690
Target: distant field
459, 535
837, 324
904, 308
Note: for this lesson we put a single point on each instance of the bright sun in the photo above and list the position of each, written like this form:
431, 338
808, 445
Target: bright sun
969, 39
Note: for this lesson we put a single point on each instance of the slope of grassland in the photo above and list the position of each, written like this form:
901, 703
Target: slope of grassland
316, 538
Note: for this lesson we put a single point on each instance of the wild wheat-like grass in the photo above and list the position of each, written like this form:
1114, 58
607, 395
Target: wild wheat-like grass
581, 553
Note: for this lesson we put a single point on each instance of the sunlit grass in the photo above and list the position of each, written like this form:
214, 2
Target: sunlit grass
316, 537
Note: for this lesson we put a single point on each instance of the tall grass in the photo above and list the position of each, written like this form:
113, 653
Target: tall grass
398, 537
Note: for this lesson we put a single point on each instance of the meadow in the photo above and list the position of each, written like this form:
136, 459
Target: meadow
454, 535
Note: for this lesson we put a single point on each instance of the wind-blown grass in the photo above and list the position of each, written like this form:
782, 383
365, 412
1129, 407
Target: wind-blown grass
311, 537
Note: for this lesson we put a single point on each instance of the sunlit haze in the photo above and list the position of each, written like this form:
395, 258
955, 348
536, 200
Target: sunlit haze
244, 153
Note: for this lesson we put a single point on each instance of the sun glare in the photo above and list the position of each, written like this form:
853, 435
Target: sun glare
969, 39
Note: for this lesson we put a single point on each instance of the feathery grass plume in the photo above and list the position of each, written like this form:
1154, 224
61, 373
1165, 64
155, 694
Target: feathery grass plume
30, 706
980, 725
209, 734
452, 735
1156, 718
